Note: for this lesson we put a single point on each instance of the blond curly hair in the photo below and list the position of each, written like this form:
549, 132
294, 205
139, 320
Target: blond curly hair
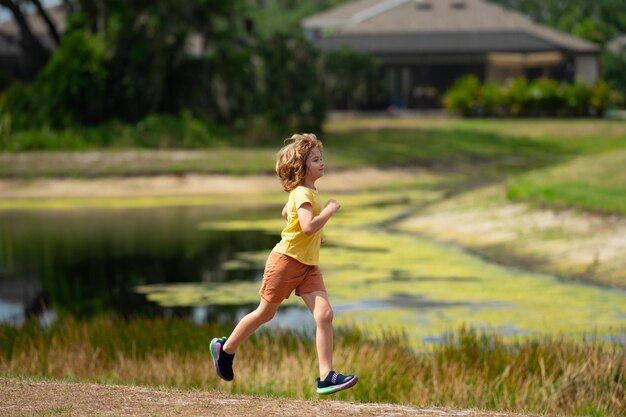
291, 159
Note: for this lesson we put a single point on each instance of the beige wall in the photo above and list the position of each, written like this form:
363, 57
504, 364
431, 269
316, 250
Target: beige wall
501, 74
587, 68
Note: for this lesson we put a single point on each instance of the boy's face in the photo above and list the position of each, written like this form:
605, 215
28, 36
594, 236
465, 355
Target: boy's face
314, 165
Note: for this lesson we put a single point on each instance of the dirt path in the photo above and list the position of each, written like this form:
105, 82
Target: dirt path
193, 184
21, 398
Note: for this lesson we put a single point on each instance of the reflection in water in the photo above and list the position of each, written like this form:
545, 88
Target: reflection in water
87, 262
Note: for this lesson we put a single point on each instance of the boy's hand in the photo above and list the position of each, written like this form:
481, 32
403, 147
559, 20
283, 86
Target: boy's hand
333, 204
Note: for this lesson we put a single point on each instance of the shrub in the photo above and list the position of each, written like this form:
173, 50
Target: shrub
168, 131
74, 82
20, 108
540, 97
156, 131
577, 98
463, 96
545, 97
491, 99
517, 97
600, 98
70, 89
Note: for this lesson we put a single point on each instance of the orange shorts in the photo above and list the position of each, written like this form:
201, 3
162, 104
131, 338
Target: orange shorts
283, 274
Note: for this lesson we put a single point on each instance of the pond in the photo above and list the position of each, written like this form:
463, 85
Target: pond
206, 264
88, 262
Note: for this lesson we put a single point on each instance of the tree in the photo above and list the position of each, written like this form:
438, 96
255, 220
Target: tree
614, 65
146, 44
598, 21
124, 59
120, 56
36, 52
283, 17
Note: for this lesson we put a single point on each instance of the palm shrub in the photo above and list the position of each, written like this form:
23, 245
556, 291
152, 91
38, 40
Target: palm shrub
577, 98
463, 96
517, 97
601, 98
545, 97
491, 99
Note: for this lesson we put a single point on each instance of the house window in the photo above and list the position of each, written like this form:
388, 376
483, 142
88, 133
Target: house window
423, 4
458, 5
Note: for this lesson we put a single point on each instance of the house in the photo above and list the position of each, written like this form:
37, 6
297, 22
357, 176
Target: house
423, 46
12, 58
617, 45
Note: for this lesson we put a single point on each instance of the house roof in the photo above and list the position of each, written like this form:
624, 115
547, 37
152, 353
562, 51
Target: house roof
37, 25
56, 14
437, 25
617, 44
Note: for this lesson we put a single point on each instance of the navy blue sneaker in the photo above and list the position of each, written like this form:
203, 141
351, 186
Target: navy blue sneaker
335, 382
223, 361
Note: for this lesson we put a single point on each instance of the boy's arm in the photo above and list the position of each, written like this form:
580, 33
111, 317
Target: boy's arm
311, 224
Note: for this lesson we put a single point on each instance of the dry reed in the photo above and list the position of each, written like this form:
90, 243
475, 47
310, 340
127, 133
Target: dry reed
552, 375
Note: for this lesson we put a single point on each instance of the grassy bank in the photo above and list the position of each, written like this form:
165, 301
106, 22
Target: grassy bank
353, 143
556, 163
473, 152
132, 163
469, 370
157, 131
527, 152
595, 182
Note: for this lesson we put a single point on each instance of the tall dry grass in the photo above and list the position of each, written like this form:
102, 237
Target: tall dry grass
551, 375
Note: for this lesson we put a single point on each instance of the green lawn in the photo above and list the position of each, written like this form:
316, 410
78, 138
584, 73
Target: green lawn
447, 145
595, 182
564, 162
469, 150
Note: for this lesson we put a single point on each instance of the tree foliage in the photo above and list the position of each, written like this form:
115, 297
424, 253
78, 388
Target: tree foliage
284, 17
123, 59
595, 20
146, 43
614, 64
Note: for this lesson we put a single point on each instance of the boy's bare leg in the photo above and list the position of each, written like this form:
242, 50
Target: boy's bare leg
248, 325
322, 312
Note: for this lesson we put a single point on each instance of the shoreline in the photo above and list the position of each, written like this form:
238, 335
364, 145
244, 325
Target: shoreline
190, 185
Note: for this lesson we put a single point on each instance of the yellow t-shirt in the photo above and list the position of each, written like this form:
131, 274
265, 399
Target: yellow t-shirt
294, 242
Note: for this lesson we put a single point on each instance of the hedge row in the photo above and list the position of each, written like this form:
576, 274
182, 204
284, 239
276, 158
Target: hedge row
539, 97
